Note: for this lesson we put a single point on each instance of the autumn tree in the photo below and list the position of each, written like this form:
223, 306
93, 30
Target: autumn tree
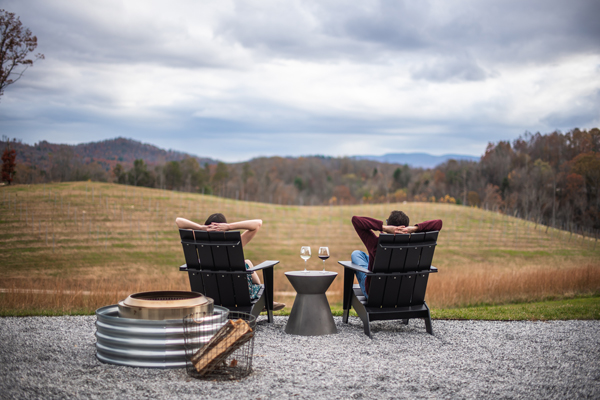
16, 42
173, 175
220, 176
8, 163
119, 174
139, 174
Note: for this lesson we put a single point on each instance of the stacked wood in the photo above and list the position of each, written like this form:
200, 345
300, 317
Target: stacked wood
229, 338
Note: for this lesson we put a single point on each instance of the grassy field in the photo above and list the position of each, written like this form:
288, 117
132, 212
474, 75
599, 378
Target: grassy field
73, 247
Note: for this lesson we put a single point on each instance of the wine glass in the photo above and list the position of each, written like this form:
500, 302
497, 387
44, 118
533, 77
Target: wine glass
305, 255
323, 255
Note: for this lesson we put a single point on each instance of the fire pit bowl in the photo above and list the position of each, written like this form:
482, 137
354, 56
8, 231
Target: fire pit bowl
163, 305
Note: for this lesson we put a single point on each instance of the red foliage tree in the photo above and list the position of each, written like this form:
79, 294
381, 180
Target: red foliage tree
8, 163
16, 42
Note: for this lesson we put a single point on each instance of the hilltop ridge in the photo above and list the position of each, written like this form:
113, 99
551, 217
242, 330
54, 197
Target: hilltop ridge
43, 155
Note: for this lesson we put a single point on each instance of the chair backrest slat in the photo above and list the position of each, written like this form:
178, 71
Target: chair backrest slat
399, 254
219, 252
204, 252
382, 264
406, 289
196, 281
235, 253
240, 288
426, 257
225, 289
418, 295
211, 287
189, 249
392, 286
376, 290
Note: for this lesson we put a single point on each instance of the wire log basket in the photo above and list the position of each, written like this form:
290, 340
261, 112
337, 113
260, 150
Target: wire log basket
219, 350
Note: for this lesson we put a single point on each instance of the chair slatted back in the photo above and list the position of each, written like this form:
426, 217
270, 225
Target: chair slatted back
409, 254
208, 255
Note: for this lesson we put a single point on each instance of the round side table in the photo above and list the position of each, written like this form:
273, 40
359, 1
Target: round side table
311, 314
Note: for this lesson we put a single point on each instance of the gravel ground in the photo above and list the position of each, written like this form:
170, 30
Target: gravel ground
54, 357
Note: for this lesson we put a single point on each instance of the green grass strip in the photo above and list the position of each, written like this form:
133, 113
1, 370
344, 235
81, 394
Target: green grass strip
582, 308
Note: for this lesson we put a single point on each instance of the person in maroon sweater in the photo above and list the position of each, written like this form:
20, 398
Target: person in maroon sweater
397, 222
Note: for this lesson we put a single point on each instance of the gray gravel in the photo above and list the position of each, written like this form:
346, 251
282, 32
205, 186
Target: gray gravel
54, 357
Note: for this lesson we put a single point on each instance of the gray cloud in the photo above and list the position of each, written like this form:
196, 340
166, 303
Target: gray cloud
451, 69
508, 32
113, 33
240, 78
584, 112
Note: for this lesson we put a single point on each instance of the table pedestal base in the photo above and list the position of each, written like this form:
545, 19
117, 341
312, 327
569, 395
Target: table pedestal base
311, 316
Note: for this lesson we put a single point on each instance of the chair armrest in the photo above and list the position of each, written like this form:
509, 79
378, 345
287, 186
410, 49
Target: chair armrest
356, 267
263, 265
183, 267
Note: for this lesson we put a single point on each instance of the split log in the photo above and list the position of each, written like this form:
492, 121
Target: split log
229, 338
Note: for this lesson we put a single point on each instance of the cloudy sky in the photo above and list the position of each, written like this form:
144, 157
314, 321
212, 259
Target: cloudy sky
234, 80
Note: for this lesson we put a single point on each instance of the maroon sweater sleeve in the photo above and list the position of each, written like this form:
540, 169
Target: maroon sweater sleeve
428, 226
364, 227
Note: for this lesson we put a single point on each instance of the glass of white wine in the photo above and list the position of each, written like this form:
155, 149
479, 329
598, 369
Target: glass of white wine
323, 255
305, 255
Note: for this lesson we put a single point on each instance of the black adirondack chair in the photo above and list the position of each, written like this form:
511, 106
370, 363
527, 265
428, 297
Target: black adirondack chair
216, 268
398, 281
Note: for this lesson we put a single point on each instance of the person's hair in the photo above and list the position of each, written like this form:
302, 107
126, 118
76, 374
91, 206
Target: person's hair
218, 217
398, 218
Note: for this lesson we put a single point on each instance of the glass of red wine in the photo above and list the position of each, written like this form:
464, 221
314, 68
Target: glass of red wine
323, 255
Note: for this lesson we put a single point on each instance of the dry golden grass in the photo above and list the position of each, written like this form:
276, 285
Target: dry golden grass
86, 245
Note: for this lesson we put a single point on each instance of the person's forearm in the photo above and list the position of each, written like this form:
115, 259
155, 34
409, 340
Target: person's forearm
366, 224
432, 225
183, 223
250, 225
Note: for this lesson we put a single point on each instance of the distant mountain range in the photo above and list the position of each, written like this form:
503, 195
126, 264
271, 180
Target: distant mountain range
124, 151
417, 160
107, 153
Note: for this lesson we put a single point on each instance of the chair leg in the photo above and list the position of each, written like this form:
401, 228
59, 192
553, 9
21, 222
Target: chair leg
367, 328
363, 315
258, 307
348, 293
405, 321
428, 322
268, 296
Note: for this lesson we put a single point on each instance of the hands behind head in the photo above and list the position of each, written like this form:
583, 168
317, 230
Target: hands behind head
217, 227
399, 229
406, 229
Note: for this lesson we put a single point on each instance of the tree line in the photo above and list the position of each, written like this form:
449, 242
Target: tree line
552, 179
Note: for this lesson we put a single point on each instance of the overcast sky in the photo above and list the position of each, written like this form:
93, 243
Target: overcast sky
234, 80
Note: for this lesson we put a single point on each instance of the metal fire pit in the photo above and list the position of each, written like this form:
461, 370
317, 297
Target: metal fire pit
150, 343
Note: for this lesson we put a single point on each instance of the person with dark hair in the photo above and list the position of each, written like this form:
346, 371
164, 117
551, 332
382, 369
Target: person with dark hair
397, 222
218, 223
